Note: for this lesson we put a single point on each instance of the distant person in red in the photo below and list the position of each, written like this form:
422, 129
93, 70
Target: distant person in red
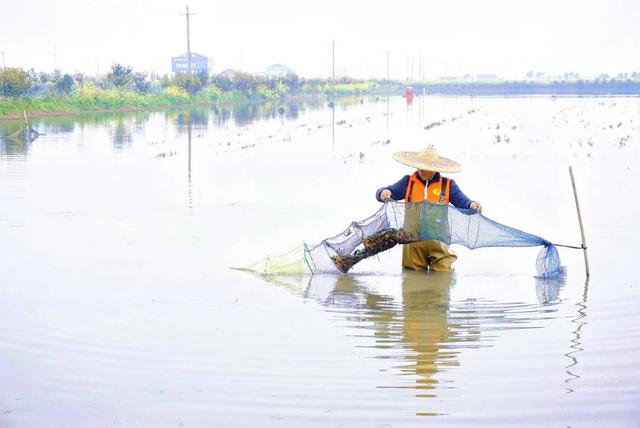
409, 95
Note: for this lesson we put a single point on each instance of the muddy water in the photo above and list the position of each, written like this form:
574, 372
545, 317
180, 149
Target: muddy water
119, 307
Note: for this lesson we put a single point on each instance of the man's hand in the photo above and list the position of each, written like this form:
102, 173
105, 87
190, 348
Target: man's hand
475, 205
385, 194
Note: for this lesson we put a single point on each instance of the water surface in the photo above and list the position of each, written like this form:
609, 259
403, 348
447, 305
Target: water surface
119, 307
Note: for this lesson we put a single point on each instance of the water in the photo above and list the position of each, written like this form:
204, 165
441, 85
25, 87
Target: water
118, 306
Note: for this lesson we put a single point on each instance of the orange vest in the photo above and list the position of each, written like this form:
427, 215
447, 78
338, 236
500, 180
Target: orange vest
437, 192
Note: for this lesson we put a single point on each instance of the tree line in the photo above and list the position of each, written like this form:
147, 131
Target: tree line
16, 82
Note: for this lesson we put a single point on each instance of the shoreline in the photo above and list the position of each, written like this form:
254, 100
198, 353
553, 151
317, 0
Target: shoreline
63, 113
631, 89
35, 114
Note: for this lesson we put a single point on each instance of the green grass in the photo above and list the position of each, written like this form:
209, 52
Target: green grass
92, 98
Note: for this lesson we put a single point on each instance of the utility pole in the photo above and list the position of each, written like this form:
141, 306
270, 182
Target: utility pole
333, 60
407, 71
3, 66
188, 41
387, 65
412, 61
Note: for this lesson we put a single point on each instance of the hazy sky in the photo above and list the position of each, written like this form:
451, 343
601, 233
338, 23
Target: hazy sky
454, 36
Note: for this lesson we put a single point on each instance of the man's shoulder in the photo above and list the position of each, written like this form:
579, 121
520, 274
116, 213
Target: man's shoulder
404, 178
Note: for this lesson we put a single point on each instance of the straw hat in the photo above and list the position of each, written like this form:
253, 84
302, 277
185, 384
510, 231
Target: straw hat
427, 159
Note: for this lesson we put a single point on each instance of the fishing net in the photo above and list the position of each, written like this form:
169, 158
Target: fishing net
402, 223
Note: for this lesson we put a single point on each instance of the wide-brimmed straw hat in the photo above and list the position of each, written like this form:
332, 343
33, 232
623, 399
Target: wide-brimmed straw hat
428, 159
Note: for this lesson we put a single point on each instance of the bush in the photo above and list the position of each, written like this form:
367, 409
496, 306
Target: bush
87, 95
190, 83
176, 94
120, 76
14, 82
142, 85
65, 84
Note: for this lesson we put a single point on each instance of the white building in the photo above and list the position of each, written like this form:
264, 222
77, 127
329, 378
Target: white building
278, 70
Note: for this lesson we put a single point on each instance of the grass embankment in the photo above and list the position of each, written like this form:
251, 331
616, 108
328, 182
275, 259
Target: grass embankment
90, 98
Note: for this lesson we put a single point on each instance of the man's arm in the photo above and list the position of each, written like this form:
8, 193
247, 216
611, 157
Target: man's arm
397, 189
460, 200
457, 198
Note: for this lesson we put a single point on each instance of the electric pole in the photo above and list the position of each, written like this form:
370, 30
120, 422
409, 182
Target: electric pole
188, 41
412, 61
333, 60
387, 65
3, 67
407, 71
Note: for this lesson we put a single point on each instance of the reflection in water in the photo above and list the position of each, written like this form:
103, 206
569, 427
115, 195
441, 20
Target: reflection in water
576, 341
428, 331
548, 289
198, 117
424, 332
190, 196
221, 116
387, 112
12, 148
120, 131
122, 127
333, 128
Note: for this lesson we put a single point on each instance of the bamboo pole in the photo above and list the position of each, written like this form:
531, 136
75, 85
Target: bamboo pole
584, 242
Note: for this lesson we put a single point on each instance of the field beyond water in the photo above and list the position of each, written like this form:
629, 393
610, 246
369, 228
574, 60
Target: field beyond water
120, 308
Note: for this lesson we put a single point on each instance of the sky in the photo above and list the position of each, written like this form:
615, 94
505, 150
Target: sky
453, 37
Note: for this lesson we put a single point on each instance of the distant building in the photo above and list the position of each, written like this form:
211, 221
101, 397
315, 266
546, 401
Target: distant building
487, 77
228, 74
180, 64
278, 70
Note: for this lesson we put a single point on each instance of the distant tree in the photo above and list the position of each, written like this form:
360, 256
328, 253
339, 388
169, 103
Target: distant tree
44, 77
120, 76
188, 82
244, 82
65, 84
222, 83
142, 85
14, 82
203, 77
33, 75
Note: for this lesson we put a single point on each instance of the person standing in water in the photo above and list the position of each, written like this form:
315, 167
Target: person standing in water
427, 184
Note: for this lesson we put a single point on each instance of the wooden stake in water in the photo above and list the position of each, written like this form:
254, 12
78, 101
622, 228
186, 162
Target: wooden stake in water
584, 243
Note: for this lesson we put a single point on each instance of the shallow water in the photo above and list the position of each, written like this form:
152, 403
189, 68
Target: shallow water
119, 307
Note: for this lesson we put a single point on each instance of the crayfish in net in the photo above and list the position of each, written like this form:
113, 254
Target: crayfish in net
373, 245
